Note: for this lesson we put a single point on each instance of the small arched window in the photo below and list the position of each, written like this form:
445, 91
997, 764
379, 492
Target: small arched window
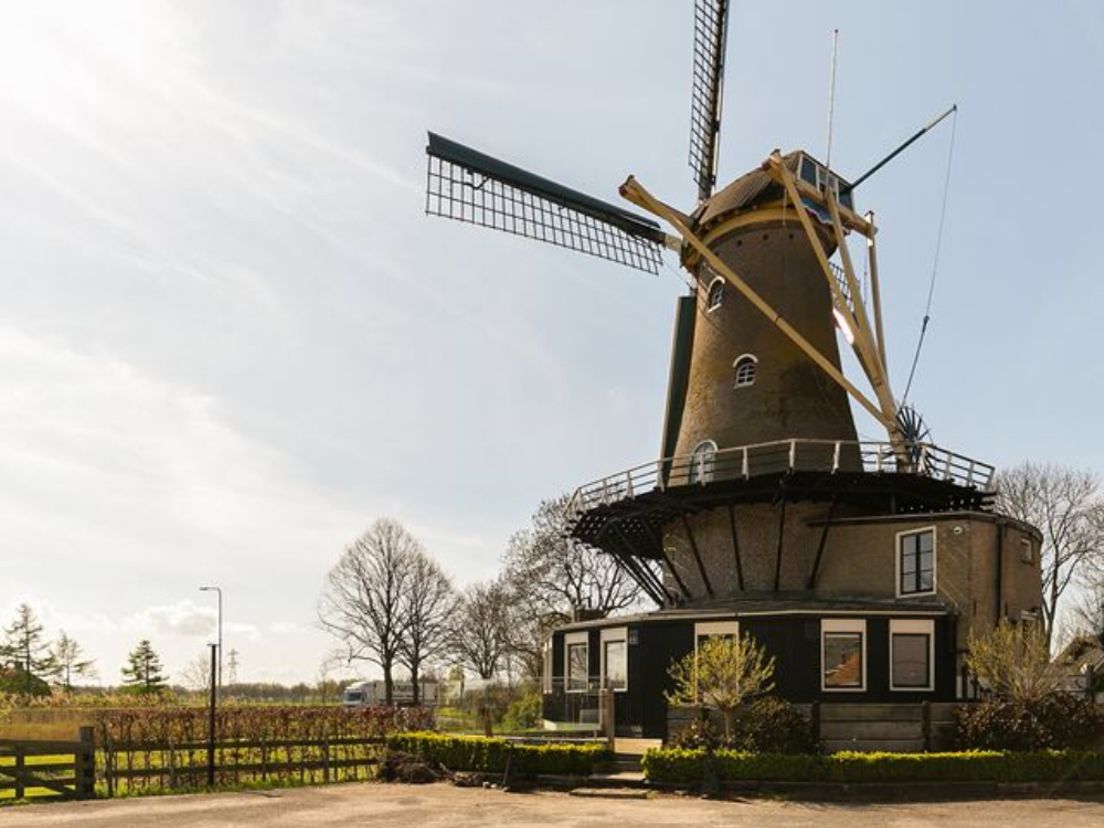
715, 296
745, 370
701, 461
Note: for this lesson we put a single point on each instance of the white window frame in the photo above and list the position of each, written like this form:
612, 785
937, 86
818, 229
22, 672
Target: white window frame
706, 475
582, 637
736, 369
897, 562
913, 626
709, 306
842, 625
546, 665
612, 636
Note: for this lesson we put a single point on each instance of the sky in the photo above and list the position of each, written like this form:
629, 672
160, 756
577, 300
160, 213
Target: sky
230, 338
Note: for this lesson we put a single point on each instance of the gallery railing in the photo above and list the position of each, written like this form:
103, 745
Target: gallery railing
745, 462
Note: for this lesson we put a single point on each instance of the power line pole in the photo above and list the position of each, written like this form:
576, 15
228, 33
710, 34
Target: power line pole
233, 665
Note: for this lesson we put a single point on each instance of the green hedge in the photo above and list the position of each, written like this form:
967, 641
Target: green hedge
680, 767
479, 753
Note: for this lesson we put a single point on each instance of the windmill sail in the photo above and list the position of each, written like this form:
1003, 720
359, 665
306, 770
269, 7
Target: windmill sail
468, 186
710, 31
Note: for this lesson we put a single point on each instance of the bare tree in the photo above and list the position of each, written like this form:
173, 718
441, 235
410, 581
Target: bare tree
70, 660
1066, 506
549, 574
196, 674
427, 610
480, 632
362, 601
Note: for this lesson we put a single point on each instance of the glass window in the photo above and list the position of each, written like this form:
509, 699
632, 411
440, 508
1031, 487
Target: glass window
1026, 554
576, 667
808, 170
917, 562
910, 667
716, 294
843, 654
617, 668
745, 371
701, 462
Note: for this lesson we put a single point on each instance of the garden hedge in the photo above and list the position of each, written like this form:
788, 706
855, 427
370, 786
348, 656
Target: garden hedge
480, 753
689, 767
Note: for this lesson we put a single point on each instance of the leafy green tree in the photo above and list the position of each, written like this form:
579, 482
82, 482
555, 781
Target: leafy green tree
143, 673
1013, 662
23, 645
70, 660
723, 672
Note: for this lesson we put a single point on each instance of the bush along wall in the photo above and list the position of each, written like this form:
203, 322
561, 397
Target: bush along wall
677, 766
479, 753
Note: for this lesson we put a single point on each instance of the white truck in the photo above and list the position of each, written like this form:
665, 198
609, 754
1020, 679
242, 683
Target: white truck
368, 693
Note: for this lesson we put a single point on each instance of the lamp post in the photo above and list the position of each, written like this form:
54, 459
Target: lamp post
219, 591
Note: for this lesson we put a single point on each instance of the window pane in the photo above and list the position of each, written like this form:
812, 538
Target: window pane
917, 562
617, 674
843, 660
910, 660
577, 667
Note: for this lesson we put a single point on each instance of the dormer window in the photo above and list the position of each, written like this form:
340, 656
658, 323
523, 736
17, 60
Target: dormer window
716, 294
745, 370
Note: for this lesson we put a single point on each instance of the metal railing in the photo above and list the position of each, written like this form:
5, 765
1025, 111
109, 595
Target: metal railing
783, 456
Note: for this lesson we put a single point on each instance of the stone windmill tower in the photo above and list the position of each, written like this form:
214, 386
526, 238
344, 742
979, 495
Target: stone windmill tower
762, 495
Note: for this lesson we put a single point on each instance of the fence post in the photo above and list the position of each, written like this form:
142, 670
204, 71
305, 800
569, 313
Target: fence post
86, 765
326, 759
19, 765
926, 707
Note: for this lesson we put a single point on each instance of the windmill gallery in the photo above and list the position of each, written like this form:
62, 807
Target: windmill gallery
863, 567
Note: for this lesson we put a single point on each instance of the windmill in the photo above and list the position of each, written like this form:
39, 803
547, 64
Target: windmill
756, 389
466, 185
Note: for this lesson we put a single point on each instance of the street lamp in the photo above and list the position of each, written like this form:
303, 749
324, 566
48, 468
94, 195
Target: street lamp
219, 591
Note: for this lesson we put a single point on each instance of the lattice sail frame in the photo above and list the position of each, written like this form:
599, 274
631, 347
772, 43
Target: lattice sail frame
710, 32
465, 185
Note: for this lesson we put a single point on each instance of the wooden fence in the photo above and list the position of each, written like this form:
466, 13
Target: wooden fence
41, 768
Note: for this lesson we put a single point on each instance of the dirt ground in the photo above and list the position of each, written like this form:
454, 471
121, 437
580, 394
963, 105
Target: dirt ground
399, 806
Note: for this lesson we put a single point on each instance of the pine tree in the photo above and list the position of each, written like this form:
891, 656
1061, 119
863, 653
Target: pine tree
32, 658
70, 660
143, 671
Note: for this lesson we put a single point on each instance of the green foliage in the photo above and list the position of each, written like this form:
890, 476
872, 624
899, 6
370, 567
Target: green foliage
1013, 661
1057, 721
524, 712
681, 766
16, 681
143, 671
31, 663
722, 672
479, 753
766, 725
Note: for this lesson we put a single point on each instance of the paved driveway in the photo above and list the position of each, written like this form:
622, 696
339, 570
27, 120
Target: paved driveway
399, 806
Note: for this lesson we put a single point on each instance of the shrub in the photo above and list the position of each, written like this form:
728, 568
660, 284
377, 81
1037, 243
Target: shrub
767, 725
1057, 721
524, 713
680, 766
479, 753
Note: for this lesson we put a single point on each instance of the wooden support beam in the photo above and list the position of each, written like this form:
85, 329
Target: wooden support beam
667, 560
697, 555
610, 544
875, 287
641, 574
778, 554
814, 574
736, 547
634, 192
